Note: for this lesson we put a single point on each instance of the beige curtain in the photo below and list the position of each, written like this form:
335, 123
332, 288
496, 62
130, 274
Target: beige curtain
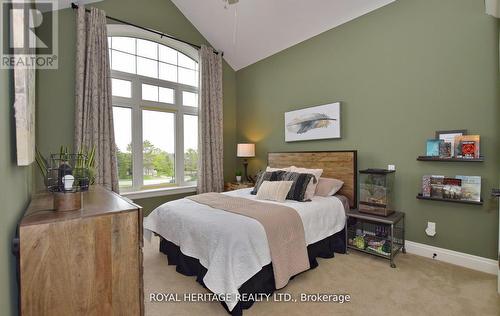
210, 164
93, 107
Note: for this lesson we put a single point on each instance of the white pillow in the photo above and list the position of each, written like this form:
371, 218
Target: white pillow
269, 169
328, 186
311, 187
274, 190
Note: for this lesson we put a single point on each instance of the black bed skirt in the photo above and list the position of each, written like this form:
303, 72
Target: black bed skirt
262, 281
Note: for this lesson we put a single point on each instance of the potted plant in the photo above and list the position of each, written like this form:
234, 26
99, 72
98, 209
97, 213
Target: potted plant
67, 175
85, 167
238, 176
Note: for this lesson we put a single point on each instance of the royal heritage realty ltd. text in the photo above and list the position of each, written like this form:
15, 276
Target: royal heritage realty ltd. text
258, 297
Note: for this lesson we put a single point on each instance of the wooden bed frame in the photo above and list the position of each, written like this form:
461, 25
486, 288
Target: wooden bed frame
340, 165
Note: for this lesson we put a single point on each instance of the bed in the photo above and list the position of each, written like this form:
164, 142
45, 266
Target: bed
229, 253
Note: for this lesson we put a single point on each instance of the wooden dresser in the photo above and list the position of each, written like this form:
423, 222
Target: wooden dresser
86, 262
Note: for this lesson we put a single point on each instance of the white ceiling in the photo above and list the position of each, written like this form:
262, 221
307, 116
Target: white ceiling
64, 4
251, 30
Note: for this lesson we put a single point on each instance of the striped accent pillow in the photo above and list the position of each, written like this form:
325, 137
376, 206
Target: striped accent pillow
300, 182
266, 176
311, 187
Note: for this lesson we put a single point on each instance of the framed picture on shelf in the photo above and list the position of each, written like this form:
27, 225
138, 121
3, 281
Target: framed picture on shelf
449, 137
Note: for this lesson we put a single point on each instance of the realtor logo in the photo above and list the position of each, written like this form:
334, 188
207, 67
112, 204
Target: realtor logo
29, 39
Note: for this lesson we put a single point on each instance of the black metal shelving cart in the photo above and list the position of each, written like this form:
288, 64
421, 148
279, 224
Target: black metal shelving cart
376, 235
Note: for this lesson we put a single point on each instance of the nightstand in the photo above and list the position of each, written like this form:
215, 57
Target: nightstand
231, 186
376, 235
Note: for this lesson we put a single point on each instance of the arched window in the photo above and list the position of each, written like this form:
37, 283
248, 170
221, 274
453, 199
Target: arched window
155, 107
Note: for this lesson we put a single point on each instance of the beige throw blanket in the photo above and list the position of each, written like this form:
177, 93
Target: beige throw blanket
283, 227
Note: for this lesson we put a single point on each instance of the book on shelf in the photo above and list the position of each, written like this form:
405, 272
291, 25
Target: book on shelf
426, 186
467, 146
468, 149
452, 188
450, 138
437, 183
444, 150
471, 188
433, 147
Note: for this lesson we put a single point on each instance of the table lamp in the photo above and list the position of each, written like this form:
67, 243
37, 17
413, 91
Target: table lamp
246, 150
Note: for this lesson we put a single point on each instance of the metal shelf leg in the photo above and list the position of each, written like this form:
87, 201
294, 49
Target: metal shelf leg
392, 246
404, 237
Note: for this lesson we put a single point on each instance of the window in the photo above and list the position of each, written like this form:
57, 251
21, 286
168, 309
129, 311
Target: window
155, 110
122, 118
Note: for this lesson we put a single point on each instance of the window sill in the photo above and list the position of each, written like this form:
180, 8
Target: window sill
158, 192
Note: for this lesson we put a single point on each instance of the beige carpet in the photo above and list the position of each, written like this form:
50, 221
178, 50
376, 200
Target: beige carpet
418, 286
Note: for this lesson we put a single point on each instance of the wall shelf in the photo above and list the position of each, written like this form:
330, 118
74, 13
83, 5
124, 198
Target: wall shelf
436, 158
421, 197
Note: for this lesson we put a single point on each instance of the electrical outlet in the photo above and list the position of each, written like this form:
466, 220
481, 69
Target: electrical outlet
430, 230
391, 167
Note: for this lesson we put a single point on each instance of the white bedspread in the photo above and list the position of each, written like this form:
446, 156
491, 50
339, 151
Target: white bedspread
233, 247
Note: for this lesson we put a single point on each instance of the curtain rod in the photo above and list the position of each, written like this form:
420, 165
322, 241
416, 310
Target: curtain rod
75, 6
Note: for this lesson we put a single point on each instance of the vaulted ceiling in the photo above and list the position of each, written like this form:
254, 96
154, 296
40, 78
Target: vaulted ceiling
64, 4
250, 30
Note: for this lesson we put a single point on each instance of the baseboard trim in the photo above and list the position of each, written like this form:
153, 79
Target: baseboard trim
454, 257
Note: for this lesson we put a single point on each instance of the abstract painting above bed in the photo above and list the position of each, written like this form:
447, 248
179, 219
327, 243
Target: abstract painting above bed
317, 122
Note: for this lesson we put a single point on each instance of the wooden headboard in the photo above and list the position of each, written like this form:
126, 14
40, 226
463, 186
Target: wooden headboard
340, 165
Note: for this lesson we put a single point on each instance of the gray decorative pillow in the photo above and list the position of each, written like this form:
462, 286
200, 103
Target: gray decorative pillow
266, 176
300, 182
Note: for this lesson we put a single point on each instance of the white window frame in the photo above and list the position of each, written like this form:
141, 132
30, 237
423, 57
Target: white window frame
136, 104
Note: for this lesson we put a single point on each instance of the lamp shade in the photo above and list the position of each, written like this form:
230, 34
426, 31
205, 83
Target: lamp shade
246, 150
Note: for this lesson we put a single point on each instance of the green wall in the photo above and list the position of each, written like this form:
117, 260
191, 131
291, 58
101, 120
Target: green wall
55, 88
15, 190
401, 72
